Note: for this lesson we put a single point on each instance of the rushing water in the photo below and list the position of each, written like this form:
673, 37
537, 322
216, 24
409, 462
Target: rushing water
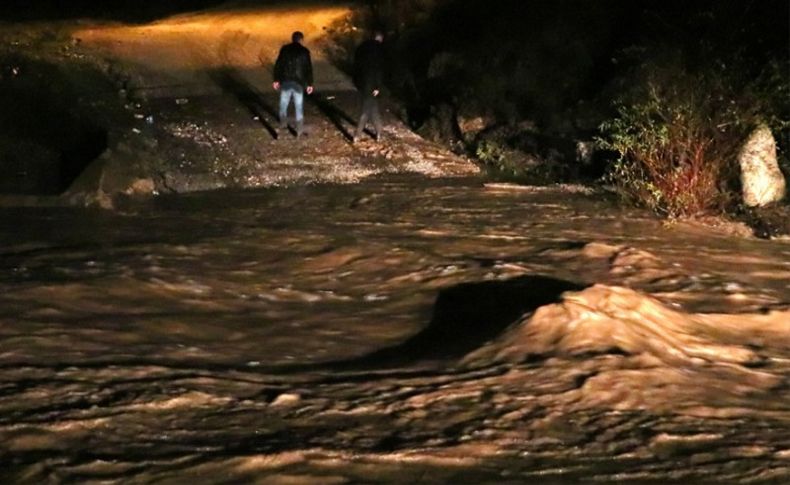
270, 335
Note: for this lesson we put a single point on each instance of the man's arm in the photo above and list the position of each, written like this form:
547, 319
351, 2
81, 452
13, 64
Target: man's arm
379, 65
278, 71
309, 72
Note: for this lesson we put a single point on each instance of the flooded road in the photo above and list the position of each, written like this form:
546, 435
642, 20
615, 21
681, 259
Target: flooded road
397, 330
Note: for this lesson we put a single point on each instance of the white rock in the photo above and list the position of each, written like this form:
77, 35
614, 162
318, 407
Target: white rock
761, 178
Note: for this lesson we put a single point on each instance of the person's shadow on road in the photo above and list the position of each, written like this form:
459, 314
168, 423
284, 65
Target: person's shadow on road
333, 112
231, 82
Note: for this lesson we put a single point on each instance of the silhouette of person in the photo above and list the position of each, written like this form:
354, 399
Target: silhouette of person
369, 78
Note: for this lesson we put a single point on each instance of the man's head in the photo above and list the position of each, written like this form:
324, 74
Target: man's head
378, 36
297, 37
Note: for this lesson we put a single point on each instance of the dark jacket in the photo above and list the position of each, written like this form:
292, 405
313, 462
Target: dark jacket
294, 64
369, 66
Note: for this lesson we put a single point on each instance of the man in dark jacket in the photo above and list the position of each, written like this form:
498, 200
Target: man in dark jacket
368, 79
293, 75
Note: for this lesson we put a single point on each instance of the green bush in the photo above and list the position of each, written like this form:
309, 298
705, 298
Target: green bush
677, 137
490, 152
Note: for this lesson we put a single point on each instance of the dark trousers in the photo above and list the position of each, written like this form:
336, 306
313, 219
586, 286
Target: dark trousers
370, 111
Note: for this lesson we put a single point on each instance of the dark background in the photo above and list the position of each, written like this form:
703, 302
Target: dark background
125, 10
131, 10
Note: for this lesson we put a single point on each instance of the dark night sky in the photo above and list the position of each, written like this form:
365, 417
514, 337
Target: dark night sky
120, 9
73, 8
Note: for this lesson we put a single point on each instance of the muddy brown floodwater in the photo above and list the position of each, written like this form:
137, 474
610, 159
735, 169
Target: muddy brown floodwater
400, 330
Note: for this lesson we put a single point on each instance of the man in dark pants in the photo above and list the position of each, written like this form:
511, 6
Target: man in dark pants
368, 79
293, 75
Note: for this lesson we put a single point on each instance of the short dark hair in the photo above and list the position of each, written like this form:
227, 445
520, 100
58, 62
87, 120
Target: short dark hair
297, 36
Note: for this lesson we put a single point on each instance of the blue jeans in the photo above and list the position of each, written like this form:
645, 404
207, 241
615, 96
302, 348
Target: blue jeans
290, 90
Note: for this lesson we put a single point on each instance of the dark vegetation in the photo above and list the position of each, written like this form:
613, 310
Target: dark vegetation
56, 118
669, 88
